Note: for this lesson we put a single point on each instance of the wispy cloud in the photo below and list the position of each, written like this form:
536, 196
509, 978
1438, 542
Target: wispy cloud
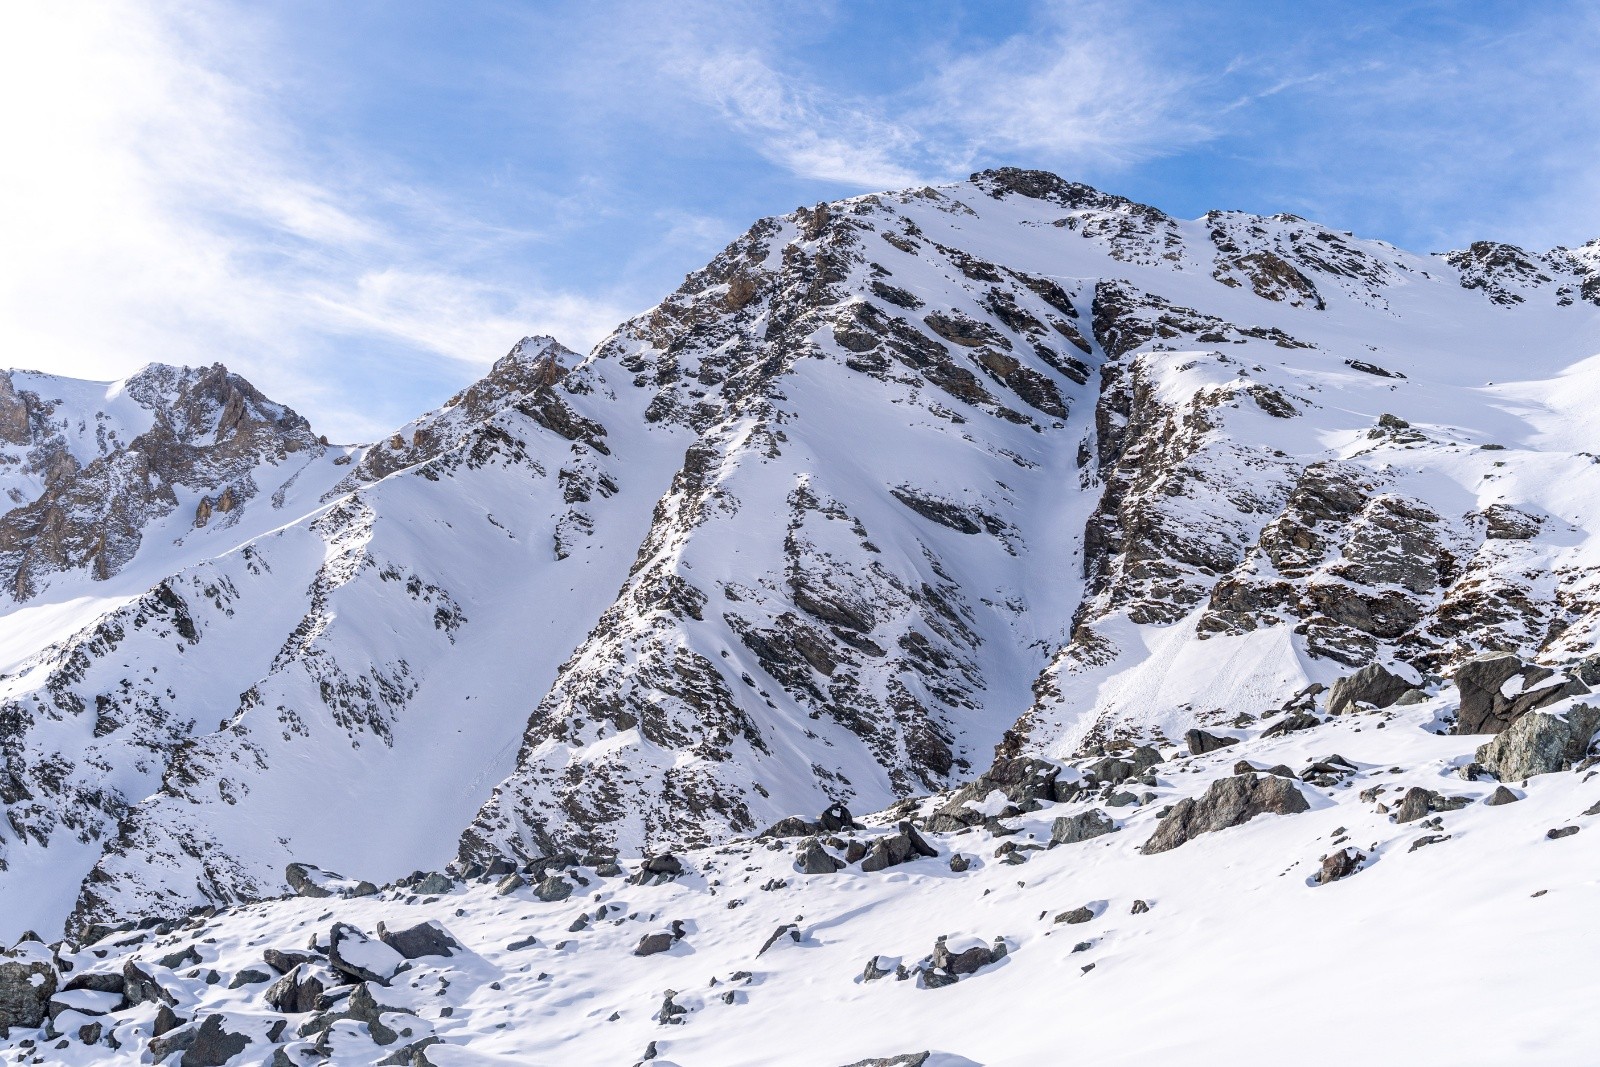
157, 208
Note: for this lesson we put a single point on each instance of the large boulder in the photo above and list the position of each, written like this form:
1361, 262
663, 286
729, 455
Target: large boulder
359, 957
897, 848
309, 881
1540, 742
296, 991
1199, 742
1070, 829
1228, 802
1498, 689
1373, 684
213, 1045
27, 982
814, 859
424, 939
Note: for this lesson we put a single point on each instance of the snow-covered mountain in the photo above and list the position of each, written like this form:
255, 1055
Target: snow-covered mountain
893, 487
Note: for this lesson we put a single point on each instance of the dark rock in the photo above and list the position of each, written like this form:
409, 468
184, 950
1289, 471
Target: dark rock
553, 888
213, 1046
295, 992
423, 939
1139, 908
855, 851
434, 884
671, 1013
872, 972
1426, 840
836, 819
249, 976
305, 880
1560, 832
166, 1021
959, 863
814, 859
1484, 707
1228, 802
1076, 916
1414, 805
650, 944
1540, 742
959, 963
99, 981
1292, 723
141, 987
1200, 742
905, 1059
284, 962
510, 884
793, 826
1340, 864
792, 930
1070, 829
1373, 684
359, 957
26, 986
1501, 795
187, 955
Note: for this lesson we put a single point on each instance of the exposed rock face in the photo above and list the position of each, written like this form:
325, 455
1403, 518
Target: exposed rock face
208, 428
1228, 802
1497, 690
1541, 742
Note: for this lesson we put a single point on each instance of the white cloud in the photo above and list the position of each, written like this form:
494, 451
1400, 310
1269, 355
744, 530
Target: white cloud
155, 208
1083, 90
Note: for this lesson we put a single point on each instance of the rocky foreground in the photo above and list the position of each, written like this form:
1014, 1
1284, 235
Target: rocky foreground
1365, 861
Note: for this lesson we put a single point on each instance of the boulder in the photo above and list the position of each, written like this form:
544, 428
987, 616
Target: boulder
1340, 864
249, 976
295, 992
359, 957
309, 881
1292, 723
213, 1046
1498, 689
1076, 916
1228, 802
965, 961
424, 939
1070, 829
140, 986
1540, 742
27, 982
1373, 684
284, 962
1559, 832
553, 888
793, 826
905, 1059
897, 848
434, 884
836, 819
1501, 795
650, 944
1200, 742
814, 859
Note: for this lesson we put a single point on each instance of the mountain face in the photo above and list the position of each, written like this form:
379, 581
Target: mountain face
892, 487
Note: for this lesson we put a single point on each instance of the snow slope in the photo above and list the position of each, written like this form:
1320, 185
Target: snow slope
889, 485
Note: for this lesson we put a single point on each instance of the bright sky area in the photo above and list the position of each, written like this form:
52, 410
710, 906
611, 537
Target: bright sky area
360, 205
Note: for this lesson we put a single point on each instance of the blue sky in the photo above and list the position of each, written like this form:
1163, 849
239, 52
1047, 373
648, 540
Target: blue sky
359, 205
